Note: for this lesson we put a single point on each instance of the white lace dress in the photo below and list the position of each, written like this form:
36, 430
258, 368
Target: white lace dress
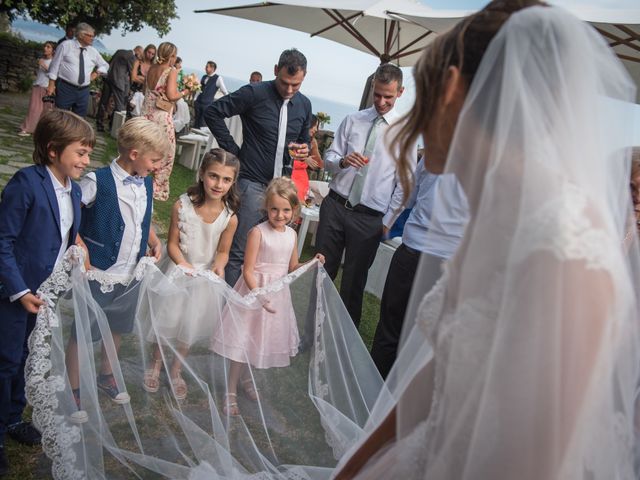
480, 419
188, 320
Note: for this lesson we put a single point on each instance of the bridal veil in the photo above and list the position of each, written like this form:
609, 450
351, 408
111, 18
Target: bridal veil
522, 362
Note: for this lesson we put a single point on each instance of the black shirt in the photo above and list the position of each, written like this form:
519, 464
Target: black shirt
258, 105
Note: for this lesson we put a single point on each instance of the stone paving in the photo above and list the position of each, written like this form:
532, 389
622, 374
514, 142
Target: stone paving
15, 151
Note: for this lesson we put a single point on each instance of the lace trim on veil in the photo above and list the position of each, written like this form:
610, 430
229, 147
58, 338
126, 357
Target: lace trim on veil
58, 433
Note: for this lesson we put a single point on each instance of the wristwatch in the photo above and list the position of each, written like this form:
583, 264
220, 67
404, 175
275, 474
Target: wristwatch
341, 163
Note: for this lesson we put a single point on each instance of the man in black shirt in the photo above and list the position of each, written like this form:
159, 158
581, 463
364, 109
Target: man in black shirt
262, 108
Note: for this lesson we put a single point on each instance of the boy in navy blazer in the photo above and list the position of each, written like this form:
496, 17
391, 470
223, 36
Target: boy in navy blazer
39, 220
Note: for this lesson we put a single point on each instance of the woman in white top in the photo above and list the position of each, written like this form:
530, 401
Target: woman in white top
37, 106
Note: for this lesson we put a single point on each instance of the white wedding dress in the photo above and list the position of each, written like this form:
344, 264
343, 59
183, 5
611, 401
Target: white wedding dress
523, 359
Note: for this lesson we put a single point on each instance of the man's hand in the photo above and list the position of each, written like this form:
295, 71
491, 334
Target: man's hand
355, 159
298, 151
30, 302
51, 89
93, 76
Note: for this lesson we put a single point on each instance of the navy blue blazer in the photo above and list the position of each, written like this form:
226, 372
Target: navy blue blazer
30, 229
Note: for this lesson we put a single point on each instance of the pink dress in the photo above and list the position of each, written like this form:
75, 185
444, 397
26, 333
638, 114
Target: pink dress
165, 120
253, 335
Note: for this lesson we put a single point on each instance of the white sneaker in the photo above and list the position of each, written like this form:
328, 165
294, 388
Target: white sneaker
79, 417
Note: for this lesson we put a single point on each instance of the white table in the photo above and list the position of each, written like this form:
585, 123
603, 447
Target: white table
309, 215
190, 153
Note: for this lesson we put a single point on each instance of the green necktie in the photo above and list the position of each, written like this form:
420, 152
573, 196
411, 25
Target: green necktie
358, 182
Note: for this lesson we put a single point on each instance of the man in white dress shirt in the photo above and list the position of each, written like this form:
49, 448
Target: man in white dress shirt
365, 195
72, 70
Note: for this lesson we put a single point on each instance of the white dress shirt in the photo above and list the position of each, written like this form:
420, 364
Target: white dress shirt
66, 63
132, 201
439, 214
65, 210
382, 190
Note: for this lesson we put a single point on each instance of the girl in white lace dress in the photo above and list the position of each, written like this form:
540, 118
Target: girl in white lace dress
266, 337
523, 360
200, 235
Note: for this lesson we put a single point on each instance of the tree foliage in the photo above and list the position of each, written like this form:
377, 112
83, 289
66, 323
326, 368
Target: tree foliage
103, 15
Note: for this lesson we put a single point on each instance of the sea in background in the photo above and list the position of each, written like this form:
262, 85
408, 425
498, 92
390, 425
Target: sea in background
38, 32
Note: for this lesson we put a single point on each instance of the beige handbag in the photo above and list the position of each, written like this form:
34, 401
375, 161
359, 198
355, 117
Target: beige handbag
163, 103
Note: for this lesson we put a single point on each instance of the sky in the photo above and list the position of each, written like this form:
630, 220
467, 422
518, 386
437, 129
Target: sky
240, 46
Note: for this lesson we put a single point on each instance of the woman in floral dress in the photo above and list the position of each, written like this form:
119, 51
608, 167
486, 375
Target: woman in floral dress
161, 82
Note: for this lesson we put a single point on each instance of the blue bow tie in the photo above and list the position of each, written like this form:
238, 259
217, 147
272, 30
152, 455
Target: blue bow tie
135, 180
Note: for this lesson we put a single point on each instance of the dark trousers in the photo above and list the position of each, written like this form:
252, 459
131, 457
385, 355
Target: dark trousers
15, 327
398, 288
199, 109
358, 235
72, 98
249, 215
119, 102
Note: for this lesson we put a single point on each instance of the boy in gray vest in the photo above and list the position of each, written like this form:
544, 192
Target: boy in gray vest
116, 230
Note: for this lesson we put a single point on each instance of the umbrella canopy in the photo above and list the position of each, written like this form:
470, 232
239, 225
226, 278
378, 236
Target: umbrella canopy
360, 24
620, 28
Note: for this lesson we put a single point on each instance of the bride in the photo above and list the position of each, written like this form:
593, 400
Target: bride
528, 358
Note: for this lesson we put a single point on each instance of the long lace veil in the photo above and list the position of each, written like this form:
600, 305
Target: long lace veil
522, 362
306, 416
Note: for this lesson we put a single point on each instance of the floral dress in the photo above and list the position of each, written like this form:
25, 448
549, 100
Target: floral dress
164, 119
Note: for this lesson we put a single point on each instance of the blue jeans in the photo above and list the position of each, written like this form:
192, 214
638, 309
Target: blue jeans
72, 98
250, 214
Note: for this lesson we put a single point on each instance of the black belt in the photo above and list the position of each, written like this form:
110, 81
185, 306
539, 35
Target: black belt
72, 85
356, 208
410, 250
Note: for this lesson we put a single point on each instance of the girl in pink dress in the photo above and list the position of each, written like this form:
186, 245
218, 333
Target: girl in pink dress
266, 337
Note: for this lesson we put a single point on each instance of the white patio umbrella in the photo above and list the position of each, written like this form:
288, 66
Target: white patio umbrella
619, 27
360, 24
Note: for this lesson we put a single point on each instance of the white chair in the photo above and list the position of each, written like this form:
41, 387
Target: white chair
319, 190
118, 119
191, 145
309, 215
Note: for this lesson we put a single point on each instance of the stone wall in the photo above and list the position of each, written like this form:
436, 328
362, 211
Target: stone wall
18, 62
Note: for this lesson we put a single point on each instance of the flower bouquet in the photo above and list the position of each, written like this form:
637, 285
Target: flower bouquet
191, 82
